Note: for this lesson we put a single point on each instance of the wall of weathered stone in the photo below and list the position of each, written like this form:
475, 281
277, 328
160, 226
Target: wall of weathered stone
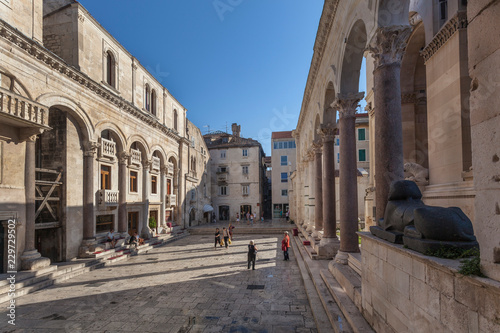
404, 291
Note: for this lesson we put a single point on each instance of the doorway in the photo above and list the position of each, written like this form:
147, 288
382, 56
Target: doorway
133, 220
223, 213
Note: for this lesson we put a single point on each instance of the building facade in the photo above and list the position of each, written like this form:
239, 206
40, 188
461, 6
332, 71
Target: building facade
284, 157
237, 175
90, 139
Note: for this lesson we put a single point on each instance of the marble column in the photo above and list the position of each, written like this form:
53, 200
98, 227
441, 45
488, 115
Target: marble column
310, 191
329, 243
387, 48
146, 181
163, 195
31, 258
348, 176
123, 158
318, 187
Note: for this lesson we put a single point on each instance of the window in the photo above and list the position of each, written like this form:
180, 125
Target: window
338, 157
153, 102
175, 120
284, 177
362, 155
245, 152
225, 139
110, 69
222, 154
280, 145
105, 177
275, 145
154, 189
147, 96
245, 189
284, 160
133, 181
285, 145
193, 194
245, 169
284, 193
337, 141
361, 134
443, 11
223, 169
169, 186
222, 190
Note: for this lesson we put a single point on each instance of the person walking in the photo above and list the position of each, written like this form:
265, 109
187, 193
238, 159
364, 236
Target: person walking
285, 245
225, 234
230, 229
217, 237
252, 254
237, 218
287, 215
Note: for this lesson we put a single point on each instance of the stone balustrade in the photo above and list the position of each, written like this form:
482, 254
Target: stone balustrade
135, 156
108, 148
107, 198
170, 168
22, 111
172, 199
156, 163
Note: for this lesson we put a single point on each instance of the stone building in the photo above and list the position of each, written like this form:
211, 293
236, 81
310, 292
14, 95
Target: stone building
237, 174
432, 94
89, 138
283, 157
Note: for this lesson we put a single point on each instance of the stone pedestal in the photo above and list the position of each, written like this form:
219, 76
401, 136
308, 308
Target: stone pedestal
327, 248
31, 260
88, 247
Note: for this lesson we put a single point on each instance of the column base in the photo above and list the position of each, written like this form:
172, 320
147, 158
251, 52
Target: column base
327, 248
342, 257
318, 234
310, 228
88, 247
31, 260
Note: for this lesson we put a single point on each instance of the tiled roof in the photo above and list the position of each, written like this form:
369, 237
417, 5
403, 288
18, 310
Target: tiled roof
282, 135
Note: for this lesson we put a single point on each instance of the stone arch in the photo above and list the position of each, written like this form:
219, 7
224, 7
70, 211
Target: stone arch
352, 58
317, 125
13, 84
70, 106
329, 112
413, 100
142, 141
161, 153
118, 133
390, 12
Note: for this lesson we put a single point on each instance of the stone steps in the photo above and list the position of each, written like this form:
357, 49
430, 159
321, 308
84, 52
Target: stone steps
31, 281
327, 314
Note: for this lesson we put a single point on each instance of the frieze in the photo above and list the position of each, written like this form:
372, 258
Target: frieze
38, 52
459, 21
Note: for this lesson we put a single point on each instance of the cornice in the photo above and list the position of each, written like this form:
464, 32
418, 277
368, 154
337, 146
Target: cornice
324, 28
457, 22
51, 60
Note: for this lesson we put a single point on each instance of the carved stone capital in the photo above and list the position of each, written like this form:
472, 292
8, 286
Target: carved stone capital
90, 148
317, 146
388, 45
123, 157
348, 103
147, 164
327, 132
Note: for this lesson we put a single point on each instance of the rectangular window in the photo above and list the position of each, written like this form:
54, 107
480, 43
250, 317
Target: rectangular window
338, 157
362, 155
361, 134
223, 169
154, 189
285, 145
284, 160
284, 177
280, 145
245, 152
245, 169
223, 154
169, 186
105, 177
133, 181
222, 190
245, 189
284, 193
291, 144
103, 223
275, 145
337, 141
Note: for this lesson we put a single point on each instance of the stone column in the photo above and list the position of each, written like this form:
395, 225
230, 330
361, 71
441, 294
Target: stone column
31, 258
122, 197
88, 198
318, 187
348, 176
387, 49
163, 194
310, 191
329, 243
146, 180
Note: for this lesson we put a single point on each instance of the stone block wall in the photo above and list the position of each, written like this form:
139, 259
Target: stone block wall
404, 291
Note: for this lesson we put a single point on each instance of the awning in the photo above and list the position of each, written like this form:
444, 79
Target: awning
208, 208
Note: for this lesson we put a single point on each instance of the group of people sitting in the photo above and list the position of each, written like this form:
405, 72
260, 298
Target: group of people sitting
133, 240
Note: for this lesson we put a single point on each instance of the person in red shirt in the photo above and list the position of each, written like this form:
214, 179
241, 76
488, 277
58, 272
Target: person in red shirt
285, 245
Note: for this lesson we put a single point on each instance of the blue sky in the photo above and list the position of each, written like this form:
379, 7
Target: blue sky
226, 61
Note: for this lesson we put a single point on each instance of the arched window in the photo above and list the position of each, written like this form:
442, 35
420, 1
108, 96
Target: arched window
147, 96
110, 69
175, 120
153, 102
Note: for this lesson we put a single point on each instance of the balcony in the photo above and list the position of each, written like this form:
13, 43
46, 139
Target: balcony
21, 112
108, 148
156, 163
135, 156
172, 200
170, 168
107, 198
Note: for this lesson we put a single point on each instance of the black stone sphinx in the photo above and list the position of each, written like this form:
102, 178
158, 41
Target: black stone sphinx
420, 227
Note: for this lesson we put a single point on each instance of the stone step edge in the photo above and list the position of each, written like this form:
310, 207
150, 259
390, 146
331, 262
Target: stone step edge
347, 306
349, 280
323, 314
310, 250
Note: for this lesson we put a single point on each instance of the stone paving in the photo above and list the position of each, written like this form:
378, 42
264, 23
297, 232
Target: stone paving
184, 286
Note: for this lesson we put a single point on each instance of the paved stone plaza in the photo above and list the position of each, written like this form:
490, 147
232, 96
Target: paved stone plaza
185, 286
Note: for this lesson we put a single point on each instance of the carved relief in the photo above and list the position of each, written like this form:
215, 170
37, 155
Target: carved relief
388, 44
